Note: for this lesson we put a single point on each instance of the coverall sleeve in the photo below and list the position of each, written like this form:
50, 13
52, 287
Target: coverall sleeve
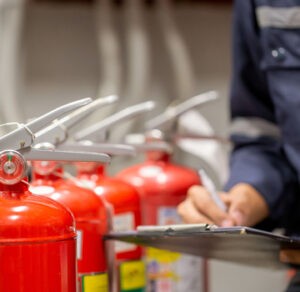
257, 157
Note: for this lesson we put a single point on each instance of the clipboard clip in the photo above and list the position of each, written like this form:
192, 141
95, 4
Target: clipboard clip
175, 229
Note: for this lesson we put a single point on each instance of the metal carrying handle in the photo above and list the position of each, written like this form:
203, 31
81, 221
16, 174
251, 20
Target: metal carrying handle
25, 135
173, 112
58, 155
57, 132
128, 113
108, 148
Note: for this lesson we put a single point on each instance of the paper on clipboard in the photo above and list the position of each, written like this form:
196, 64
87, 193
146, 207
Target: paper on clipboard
239, 244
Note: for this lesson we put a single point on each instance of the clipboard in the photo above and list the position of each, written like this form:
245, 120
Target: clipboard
239, 244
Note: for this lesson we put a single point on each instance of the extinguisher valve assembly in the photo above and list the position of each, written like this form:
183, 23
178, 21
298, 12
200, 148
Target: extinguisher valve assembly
16, 146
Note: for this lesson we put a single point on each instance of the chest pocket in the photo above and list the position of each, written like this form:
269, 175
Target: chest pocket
279, 30
280, 36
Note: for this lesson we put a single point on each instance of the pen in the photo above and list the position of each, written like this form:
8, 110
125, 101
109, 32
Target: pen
209, 185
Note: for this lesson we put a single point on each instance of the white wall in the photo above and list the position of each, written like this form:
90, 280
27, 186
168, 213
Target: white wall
61, 55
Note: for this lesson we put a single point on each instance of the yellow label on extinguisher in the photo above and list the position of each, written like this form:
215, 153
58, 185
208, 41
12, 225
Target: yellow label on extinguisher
162, 256
132, 276
95, 283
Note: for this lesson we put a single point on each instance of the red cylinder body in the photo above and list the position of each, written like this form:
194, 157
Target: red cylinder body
37, 243
91, 224
127, 216
162, 186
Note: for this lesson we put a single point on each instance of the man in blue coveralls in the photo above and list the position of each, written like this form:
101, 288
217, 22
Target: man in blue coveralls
263, 189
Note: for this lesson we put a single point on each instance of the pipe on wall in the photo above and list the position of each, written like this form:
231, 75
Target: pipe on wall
182, 67
11, 24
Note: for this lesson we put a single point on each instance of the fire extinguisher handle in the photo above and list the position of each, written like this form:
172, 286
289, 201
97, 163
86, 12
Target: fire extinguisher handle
108, 148
174, 111
125, 114
24, 136
58, 131
58, 155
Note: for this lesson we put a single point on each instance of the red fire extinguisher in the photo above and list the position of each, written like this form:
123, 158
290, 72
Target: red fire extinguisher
123, 197
90, 214
130, 269
37, 235
162, 186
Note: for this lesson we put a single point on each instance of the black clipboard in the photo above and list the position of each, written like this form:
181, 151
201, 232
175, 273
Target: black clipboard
242, 245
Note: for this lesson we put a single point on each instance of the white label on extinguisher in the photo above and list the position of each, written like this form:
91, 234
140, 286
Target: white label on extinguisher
79, 244
170, 271
124, 222
168, 216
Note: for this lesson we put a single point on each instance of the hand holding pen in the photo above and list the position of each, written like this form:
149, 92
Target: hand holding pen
241, 206
211, 188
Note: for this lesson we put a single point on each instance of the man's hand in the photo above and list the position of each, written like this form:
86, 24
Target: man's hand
245, 207
290, 256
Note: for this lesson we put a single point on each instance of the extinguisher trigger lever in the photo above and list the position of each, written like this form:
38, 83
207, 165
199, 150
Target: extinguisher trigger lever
174, 111
58, 131
108, 148
58, 155
24, 135
123, 115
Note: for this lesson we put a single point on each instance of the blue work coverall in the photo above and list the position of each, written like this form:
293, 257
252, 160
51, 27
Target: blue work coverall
265, 107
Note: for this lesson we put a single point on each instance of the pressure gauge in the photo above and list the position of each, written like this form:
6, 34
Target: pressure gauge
12, 167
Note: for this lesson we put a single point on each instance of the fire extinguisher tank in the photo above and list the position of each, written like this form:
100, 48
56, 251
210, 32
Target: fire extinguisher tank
160, 183
91, 223
162, 186
125, 201
37, 243
37, 235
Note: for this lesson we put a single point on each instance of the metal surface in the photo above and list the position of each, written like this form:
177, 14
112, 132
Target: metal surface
111, 149
57, 155
174, 111
59, 130
240, 245
25, 134
91, 133
22, 138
